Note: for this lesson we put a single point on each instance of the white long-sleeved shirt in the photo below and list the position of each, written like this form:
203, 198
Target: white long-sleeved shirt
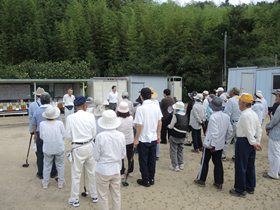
197, 115
148, 115
258, 107
219, 131
232, 109
126, 127
80, 126
109, 150
68, 100
52, 133
249, 126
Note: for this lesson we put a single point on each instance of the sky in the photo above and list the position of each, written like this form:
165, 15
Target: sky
218, 2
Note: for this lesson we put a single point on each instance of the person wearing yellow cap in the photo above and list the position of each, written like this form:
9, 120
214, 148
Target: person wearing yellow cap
248, 132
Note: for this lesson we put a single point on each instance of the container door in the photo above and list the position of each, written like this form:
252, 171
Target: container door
248, 83
135, 88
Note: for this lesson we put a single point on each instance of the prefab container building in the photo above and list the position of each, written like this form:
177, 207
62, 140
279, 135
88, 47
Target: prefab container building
251, 79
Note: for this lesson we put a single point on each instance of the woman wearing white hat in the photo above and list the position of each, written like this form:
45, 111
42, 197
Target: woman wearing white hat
126, 127
52, 132
109, 150
178, 130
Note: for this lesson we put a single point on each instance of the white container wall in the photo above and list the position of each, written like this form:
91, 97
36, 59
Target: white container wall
251, 79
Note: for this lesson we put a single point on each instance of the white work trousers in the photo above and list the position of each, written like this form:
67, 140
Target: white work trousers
109, 186
83, 156
274, 158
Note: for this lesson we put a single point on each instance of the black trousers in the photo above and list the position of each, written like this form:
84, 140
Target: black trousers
40, 158
164, 131
147, 160
113, 106
245, 172
196, 137
129, 155
218, 166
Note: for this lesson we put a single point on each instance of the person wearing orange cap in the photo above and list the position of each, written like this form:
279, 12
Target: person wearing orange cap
249, 133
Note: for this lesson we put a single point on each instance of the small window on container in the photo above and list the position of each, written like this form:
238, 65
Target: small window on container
276, 82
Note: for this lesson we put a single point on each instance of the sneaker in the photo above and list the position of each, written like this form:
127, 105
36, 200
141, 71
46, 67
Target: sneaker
250, 192
143, 183
199, 183
94, 200
152, 181
237, 194
181, 166
60, 185
266, 175
224, 158
195, 150
45, 186
177, 169
73, 202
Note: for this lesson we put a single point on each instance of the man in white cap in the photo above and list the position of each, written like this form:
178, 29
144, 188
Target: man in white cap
81, 130
33, 106
264, 102
220, 92
273, 131
109, 150
125, 97
258, 107
68, 100
197, 118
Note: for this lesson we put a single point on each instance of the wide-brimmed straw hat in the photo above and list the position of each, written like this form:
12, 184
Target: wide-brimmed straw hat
39, 91
109, 120
179, 105
123, 107
216, 104
51, 112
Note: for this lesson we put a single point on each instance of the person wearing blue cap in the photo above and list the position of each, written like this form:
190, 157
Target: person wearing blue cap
81, 130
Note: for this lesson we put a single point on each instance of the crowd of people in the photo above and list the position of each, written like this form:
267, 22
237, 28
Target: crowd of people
104, 134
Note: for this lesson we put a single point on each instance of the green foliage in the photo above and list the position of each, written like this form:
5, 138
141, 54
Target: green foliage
85, 38
49, 70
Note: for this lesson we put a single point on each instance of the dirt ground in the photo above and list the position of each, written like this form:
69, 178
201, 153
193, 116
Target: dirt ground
21, 190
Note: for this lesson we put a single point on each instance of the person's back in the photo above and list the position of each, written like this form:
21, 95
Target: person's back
82, 126
258, 108
126, 127
219, 130
150, 113
52, 133
111, 146
197, 115
232, 109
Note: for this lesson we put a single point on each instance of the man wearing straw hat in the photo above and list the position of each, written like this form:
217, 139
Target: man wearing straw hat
33, 106
148, 125
109, 150
219, 131
249, 133
81, 130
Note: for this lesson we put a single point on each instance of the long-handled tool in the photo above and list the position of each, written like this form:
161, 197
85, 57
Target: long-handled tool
26, 164
85, 193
